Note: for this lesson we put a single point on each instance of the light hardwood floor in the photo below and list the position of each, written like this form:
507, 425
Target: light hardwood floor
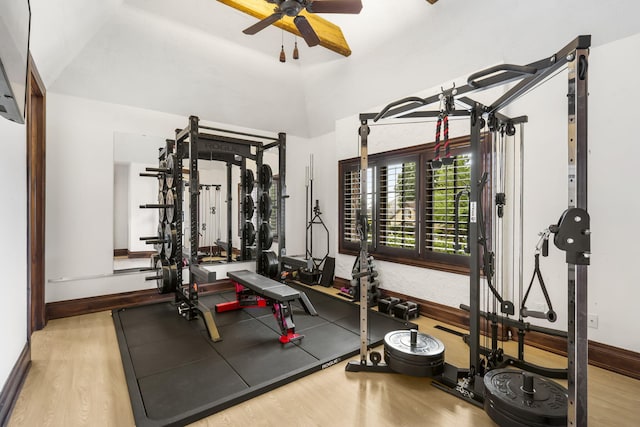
77, 379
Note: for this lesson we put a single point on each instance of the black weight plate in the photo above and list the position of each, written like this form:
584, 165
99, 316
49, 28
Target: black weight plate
266, 236
161, 202
250, 233
264, 205
249, 180
170, 199
162, 178
171, 240
424, 359
159, 247
172, 174
269, 264
154, 259
266, 177
169, 273
506, 403
248, 206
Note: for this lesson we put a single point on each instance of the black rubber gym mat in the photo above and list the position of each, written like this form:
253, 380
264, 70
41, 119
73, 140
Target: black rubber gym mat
176, 375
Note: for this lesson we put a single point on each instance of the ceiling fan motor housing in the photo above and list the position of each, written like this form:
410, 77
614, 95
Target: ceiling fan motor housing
291, 7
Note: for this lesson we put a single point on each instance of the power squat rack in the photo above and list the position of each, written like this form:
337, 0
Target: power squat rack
199, 142
571, 233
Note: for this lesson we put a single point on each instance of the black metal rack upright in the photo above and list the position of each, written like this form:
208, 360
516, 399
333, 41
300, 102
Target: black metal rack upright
198, 142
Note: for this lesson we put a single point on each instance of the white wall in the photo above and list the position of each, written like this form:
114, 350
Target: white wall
79, 240
13, 314
613, 201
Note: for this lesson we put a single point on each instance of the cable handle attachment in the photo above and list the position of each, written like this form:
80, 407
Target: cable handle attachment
543, 243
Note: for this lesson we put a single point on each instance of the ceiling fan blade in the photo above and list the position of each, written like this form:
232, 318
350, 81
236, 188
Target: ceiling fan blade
335, 6
261, 25
306, 31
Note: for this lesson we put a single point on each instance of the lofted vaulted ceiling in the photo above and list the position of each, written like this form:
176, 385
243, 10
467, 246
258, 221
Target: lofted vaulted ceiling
191, 57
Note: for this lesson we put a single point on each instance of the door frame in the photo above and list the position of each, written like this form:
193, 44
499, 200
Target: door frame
36, 198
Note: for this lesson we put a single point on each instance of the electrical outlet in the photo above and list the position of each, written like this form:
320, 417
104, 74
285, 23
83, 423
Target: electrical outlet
593, 321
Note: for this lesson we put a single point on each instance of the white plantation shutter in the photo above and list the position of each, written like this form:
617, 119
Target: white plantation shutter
397, 205
442, 186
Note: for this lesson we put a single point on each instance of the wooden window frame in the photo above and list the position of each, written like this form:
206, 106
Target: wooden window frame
418, 256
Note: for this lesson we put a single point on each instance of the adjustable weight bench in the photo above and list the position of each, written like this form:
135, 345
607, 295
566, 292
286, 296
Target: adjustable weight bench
254, 290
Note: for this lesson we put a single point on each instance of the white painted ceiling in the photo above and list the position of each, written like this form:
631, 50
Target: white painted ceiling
190, 56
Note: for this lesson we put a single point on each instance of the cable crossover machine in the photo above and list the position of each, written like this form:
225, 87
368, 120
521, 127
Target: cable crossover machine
199, 142
514, 397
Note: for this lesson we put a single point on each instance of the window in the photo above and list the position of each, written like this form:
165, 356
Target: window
351, 204
398, 205
446, 186
411, 207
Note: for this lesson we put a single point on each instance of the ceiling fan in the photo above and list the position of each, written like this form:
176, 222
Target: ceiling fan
293, 8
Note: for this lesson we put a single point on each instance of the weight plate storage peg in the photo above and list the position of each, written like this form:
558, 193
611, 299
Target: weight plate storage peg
264, 205
170, 240
249, 179
266, 236
520, 398
414, 353
266, 177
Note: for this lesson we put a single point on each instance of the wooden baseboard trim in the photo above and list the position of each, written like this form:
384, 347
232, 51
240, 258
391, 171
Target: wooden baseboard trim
132, 254
615, 359
140, 254
76, 307
13, 385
